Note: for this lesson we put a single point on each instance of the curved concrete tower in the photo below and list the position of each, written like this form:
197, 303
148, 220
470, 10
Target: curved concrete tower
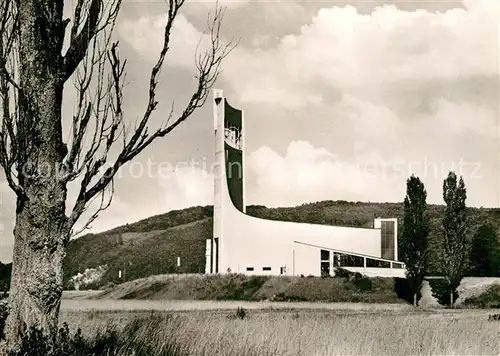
250, 245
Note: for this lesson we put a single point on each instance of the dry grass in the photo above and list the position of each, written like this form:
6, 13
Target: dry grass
307, 333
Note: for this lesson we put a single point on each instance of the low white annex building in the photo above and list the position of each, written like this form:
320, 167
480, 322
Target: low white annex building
250, 245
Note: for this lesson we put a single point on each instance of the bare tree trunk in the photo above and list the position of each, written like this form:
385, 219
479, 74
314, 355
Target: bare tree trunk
451, 297
414, 299
40, 237
41, 224
37, 277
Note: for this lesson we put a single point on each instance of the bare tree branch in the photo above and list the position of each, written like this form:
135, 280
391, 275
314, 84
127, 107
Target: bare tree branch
94, 108
8, 28
105, 107
97, 20
104, 204
9, 93
7, 159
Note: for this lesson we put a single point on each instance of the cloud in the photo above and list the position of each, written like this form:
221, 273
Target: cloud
465, 117
119, 213
411, 91
146, 36
362, 52
307, 173
210, 4
187, 186
181, 188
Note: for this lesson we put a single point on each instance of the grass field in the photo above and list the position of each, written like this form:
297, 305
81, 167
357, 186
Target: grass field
296, 332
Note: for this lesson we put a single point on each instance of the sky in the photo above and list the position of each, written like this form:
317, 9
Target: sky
343, 100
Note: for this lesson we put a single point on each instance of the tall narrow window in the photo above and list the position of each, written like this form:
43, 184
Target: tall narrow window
387, 239
216, 255
211, 255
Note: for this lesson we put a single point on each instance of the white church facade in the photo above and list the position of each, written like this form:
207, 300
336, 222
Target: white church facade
255, 246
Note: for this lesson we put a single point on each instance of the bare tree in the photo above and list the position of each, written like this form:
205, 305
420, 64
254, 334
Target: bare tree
38, 164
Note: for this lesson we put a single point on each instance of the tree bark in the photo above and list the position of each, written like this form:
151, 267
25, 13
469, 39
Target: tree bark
37, 277
41, 224
414, 299
451, 297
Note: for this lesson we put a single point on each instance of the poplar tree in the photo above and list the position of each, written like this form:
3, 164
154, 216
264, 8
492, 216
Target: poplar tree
454, 252
415, 235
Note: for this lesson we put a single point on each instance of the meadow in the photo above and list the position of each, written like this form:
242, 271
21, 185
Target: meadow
306, 332
183, 315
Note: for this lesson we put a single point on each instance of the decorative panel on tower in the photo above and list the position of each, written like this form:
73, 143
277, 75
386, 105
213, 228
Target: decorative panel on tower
234, 155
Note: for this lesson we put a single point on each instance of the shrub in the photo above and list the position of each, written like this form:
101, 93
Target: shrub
363, 284
343, 273
360, 282
489, 299
35, 343
494, 317
241, 313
